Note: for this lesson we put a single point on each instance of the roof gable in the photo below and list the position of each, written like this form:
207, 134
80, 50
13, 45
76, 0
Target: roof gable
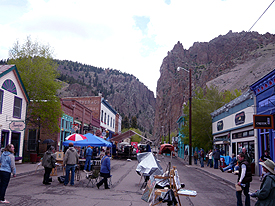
5, 69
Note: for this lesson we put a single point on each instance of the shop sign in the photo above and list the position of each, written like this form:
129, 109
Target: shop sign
220, 125
240, 118
263, 122
17, 125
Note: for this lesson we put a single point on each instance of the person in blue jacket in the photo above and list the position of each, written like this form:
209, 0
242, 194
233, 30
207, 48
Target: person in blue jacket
89, 154
8, 166
231, 165
105, 170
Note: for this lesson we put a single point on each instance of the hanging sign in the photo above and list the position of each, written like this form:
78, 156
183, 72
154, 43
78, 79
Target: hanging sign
263, 122
17, 125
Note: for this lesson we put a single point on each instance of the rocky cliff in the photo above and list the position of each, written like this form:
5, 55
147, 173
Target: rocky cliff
231, 61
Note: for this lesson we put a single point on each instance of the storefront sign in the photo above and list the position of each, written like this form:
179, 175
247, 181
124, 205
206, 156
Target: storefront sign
240, 118
263, 122
17, 125
220, 125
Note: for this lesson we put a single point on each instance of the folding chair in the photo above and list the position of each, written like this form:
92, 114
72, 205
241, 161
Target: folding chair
93, 176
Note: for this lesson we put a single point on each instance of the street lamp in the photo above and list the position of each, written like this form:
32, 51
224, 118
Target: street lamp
190, 113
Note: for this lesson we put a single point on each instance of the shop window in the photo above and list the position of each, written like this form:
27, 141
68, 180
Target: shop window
32, 140
251, 133
15, 140
17, 107
1, 100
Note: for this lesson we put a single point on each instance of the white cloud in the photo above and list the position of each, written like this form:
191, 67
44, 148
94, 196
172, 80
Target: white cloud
107, 33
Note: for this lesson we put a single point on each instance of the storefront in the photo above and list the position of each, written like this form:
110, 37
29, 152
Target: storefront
232, 127
265, 105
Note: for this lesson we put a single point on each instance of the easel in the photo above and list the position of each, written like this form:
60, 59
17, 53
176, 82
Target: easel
175, 185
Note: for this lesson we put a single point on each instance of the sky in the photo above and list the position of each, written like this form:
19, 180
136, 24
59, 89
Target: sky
132, 36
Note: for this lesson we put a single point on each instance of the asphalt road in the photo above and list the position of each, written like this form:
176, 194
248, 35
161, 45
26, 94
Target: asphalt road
28, 190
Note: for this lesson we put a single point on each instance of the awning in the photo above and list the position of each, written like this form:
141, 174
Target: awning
126, 135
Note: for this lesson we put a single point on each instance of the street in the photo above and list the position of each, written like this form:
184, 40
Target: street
27, 190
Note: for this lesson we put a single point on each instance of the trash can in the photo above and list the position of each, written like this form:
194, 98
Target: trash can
33, 157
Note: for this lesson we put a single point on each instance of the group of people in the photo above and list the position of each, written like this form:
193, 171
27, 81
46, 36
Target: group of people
71, 159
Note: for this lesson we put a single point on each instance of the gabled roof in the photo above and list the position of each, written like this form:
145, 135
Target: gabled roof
5, 69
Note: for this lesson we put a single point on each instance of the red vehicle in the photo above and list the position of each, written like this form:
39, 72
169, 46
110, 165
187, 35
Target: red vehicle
166, 148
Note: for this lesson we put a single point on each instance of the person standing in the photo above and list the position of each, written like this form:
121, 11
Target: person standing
210, 161
185, 154
105, 170
70, 160
216, 155
202, 157
89, 154
7, 167
195, 157
266, 194
48, 162
263, 158
246, 155
244, 179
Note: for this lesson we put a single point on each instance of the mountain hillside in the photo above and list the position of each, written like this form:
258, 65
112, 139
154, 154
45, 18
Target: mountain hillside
125, 93
231, 61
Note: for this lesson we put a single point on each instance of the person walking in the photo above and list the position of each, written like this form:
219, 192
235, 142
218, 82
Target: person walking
231, 165
89, 154
195, 157
216, 155
244, 179
48, 162
105, 170
266, 194
70, 160
7, 161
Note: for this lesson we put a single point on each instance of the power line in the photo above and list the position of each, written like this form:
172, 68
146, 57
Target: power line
241, 39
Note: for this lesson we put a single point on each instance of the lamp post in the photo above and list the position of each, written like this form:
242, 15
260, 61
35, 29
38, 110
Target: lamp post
190, 113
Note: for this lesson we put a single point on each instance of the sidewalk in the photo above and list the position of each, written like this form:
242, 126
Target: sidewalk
227, 177
26, 168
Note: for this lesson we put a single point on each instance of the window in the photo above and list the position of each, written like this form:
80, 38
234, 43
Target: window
105, 117
9, 86
108, 120
62, 123
111, 122
67, 125
101, 115
1, 100
17, 107
32, 140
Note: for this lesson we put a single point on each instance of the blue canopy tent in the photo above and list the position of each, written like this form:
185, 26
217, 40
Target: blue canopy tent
91, 140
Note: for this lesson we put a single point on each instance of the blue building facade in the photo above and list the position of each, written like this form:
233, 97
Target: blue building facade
264, 89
